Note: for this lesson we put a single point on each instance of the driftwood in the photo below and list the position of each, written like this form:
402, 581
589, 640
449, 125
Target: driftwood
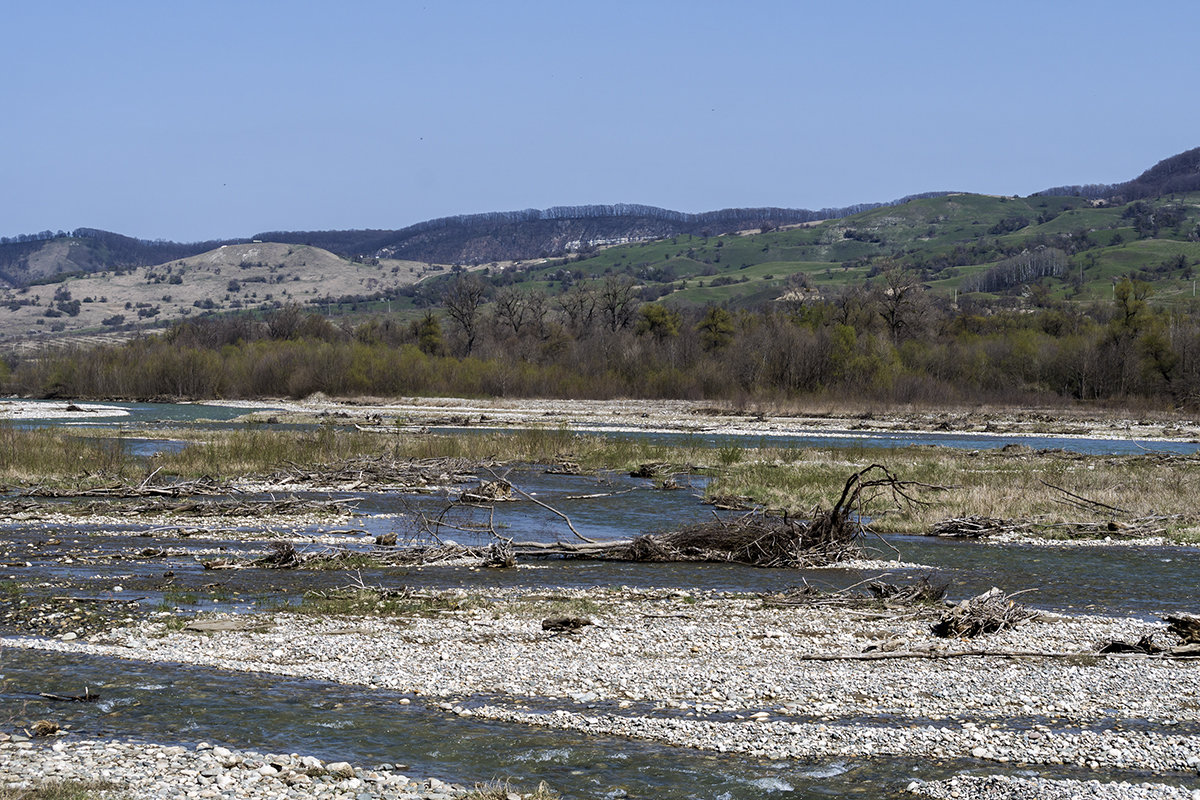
1185, 626
730, 502
990, 612
87, 697
498, 554
144, 489
364, 471
974, 527
1144, 646
283, 555
887, 655
923, 591
653, 469
878, 655
182, 506
215, 625
549, 508
116, 600
499, 491
756, 539
564, 623
224, 563
981, 527
1070, 498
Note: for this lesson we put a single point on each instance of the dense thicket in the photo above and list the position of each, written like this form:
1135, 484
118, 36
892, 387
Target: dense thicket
889, 342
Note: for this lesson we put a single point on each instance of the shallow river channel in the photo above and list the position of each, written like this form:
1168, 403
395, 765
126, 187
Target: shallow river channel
174, 704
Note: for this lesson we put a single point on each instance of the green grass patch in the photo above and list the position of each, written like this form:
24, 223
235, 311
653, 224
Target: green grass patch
172, 598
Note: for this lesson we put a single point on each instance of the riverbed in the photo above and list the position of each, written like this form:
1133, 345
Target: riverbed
689, 682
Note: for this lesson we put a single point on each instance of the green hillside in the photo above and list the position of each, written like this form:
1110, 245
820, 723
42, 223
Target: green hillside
948, 241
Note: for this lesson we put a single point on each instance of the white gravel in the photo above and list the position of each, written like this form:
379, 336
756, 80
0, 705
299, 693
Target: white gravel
1002, 787
150, 772
726, 674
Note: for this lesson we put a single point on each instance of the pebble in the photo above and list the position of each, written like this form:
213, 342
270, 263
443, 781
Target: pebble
156, 772
1002, 787
700, 660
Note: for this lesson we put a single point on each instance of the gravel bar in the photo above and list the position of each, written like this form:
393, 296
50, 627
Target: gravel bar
728, 673
155, 771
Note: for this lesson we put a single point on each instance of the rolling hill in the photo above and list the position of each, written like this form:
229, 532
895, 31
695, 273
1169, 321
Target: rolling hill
1068, 244
228, 278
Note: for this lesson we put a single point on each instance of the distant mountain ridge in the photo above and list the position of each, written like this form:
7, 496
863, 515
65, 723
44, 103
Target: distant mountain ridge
464, 239
1175, 175
540, 233
504, 236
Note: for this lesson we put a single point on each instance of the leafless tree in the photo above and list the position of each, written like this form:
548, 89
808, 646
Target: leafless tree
618, 302
578, 304
520, 310
462, 302
901, 301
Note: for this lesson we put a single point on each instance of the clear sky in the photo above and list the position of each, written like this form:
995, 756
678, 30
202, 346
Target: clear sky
199, 120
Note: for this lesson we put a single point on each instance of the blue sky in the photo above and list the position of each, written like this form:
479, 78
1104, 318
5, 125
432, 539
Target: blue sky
190, 120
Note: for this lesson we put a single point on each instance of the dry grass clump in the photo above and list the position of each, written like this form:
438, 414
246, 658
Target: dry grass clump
63, 790
503, 790
1018, 484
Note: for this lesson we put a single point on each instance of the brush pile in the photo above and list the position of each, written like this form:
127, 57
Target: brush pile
762, 540
147, 488
282, 555
922, 591
990, 612
757, 539
973, 527
754, 539
486, 492
375, 471
1185, 626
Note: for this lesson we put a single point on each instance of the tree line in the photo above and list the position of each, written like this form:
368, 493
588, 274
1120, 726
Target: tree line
889, 341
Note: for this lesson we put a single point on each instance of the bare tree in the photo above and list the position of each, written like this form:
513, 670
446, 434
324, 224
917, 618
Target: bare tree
901, 301
535, 313
578, 304
852, 306
462, 302
285, 323
513, 308
618, 302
